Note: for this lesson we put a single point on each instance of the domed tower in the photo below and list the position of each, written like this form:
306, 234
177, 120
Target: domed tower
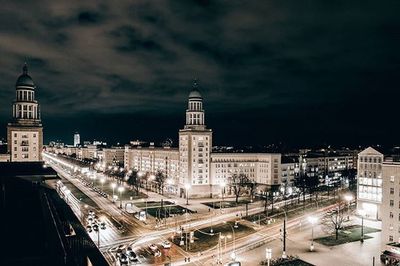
195, 142
25, 131
195, 112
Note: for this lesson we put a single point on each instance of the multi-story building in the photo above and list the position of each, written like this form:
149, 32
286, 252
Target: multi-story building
390, 207
290, 169
154, 159
25, 131
77, 139
328, 167
111, 156
195, 142
369, 186
262, 168
193, 166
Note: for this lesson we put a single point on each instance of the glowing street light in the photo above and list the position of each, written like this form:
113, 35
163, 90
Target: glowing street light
120, 190
102, 181
187, 187
313, 220
113, 186
348, 198
268, 255
362, 213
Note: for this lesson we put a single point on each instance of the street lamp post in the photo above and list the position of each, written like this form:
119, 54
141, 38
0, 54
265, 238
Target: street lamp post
312, 220
348, 198
187, 187
233, 255
102, 181
361, 212
120, 190
113, 186
222, 184
268, 255
284, 235
146, 208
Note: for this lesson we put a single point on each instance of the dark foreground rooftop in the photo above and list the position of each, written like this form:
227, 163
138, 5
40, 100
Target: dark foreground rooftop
37, 227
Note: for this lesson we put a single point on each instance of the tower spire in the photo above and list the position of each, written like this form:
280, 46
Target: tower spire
25, 69
195, 84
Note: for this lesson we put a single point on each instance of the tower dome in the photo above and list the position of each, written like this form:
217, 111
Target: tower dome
24, 79
195, 94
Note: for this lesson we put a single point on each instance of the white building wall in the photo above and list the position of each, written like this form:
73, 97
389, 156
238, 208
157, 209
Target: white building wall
390, 207
369, 178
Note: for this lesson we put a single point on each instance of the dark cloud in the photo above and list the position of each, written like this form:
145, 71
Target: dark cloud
292, 71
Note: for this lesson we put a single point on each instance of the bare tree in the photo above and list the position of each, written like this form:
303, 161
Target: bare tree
238, 182
160, 181
134, 180
335, 220
252, 185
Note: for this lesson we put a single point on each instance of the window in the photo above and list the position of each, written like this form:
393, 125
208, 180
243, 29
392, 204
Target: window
391, 203
391, 215
390, 238
391, 191
392, 179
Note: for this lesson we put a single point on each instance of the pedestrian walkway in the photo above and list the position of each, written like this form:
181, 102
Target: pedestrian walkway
299, 240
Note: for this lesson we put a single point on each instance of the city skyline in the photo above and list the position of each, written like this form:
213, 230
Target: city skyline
265, 79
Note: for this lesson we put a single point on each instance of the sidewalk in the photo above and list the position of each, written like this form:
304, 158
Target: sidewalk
299, 240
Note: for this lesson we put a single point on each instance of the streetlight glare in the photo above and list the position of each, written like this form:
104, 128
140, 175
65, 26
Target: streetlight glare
312, 219
348, 197
113, 185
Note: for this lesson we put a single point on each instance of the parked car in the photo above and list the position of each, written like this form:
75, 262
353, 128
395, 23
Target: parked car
157, 253
166, 244
89, 228
153, 247
132, 256
123, 259
103, 225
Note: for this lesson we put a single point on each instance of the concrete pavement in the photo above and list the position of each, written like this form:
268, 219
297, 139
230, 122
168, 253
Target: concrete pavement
298, 243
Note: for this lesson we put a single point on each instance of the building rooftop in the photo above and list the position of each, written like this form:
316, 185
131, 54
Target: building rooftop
36, 223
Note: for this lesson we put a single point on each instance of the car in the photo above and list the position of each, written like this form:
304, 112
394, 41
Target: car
157, 253
103, 225
91, 212
166, 244
96, 227
123, 259
89, 228
132, 256
153, 247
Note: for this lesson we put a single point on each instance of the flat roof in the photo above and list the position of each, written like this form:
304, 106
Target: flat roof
33, 171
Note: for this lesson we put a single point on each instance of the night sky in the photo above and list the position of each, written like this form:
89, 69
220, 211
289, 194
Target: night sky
297, 72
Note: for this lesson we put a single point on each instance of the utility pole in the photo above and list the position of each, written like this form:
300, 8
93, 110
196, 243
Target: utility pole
284, 238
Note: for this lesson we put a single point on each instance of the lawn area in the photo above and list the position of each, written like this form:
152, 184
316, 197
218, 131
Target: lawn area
152, 204
203, 240
348, 234
287, 262
225, 203
168, 211
126, 195
78, 193
292, 211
